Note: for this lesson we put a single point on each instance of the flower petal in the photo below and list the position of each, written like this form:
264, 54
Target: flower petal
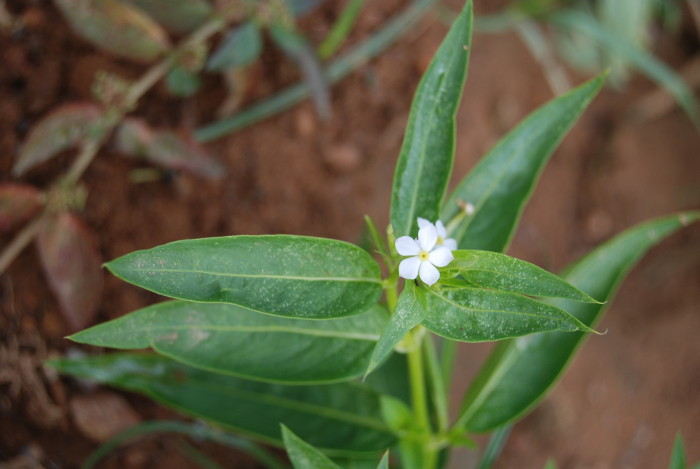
408, 268
450, 243
423, 222
441, 256
428, 273
407, 246
441, 230
427, 237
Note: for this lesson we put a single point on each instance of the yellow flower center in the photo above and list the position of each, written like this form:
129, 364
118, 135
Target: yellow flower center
440, 241
423, 255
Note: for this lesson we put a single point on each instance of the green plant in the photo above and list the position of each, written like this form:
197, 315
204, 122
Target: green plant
140, 31
286, 339
595, 35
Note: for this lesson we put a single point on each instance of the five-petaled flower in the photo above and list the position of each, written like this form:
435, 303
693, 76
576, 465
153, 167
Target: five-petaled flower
442, 240
426, 253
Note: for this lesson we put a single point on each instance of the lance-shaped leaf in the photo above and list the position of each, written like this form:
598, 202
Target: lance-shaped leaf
425, 162
303, 455
18, 203
678, 459
476, 315
116, 27
519, 373
230, 339
621, 47
168, 149
176, 16
296, 46
343, 418
501, 184
294, 276
409, 312
62, 129
500, 272
71, 263
241, 47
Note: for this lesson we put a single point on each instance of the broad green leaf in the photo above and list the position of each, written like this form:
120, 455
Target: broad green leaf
116, 27
518, 373
501, 184
500, 272
409, 312
294, 276
643, 61
303, 455
177, 16
343, 419
425, 162
477, 315
678, 460
241, 47
230, 339
63, 128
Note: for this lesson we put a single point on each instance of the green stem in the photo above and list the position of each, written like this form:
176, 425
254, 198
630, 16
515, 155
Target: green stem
341, 29
437, 381
420, 401
447, 361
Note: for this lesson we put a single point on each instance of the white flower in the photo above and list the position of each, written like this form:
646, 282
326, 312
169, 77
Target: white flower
426, 255
442, 239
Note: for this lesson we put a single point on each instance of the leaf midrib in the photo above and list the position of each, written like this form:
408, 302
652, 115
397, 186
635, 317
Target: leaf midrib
266, 276
479, 310
272, 329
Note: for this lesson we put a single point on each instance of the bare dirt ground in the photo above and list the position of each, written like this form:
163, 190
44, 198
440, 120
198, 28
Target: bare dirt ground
627, 393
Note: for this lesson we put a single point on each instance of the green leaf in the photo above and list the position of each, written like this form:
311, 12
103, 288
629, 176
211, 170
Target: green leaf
678, 460
409, 312
384, 462
643, 61
425, 162
182, 82
518, 373
230, 339
494, 447
550, 464
241, 47
501, 184
303, 455
500, 272
294, 276
341, 418
476, 315
294, 44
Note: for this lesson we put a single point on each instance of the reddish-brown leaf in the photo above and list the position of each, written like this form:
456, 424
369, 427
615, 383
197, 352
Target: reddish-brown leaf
72, 265
116, 27
18, 203
166, 148
133, 137
63, 128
